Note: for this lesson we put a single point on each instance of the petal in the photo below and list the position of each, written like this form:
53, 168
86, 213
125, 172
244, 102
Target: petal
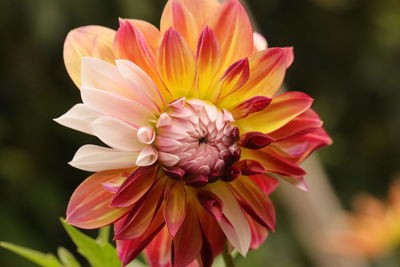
138, 219
178, 17
130, 43
117, 106
188, 241
96, 158
267, 71
265, 182
255, 140
298, 148
282, 109
129, 249
175, 207
233, 30
234, 77
273, 162
96, 73
201, 10
145, 90
147, 156
250, 167
158, 252
89, 204
150, 33
258, 233
79, 118
238, 231
116, 133
176, 65
254, 202
260, 43
208, 61
92, 41
249, 106
305, 122
134, 187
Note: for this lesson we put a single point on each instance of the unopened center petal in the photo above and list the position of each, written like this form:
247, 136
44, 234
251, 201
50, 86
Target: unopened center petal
196, 142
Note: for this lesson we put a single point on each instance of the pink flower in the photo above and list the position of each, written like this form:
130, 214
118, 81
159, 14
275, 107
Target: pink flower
194, 128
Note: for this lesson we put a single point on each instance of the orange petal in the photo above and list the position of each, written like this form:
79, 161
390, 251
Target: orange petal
234, 77
149, 31
158, 252
130, 43
251, 105
267, 71
88, 41
134, 187
233, 30
254, 202
175, 207
282, 109
208, 60
201, 10
89, 206
188, 241
176, 64
178, 17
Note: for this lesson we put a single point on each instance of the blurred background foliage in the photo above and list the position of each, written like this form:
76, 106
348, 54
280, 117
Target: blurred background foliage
347, 58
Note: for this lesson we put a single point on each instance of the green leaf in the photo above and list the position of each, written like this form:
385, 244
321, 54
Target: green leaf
104, 235
99, 254
42, 259
67, 258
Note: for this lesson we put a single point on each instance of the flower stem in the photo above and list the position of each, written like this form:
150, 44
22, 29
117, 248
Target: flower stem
228, 260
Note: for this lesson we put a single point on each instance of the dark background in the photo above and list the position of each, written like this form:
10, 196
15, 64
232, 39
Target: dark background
346, 57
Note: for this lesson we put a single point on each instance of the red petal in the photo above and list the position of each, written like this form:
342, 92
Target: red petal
89, 206
187, 243
266, 183
138, 220
255, 140
158, 252
250, 167
254, 202
251, 105
134, 187
258, 233
175, 207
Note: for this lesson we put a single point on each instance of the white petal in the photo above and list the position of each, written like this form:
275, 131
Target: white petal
142, 85
116, 106
116, 133
147, 156
238, 232
96, 158
168, 159
79, 118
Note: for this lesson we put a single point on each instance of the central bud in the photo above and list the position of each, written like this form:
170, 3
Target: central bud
196, 142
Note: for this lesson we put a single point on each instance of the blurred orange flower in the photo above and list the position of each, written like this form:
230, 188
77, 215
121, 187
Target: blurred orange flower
374, 227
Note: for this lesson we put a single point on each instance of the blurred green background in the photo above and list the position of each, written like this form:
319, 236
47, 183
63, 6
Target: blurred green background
347, 57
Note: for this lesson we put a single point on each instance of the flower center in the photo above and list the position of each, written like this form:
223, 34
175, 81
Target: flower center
196, 142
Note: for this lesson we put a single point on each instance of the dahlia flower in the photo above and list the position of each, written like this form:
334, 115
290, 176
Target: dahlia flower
194, 129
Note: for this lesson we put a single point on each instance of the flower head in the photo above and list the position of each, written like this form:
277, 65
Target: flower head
194, 128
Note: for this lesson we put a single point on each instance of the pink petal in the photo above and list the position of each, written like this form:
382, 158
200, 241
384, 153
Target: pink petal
147, 156
96, 158
260, 43
116, 133
255, 140
89, 204
79, 118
